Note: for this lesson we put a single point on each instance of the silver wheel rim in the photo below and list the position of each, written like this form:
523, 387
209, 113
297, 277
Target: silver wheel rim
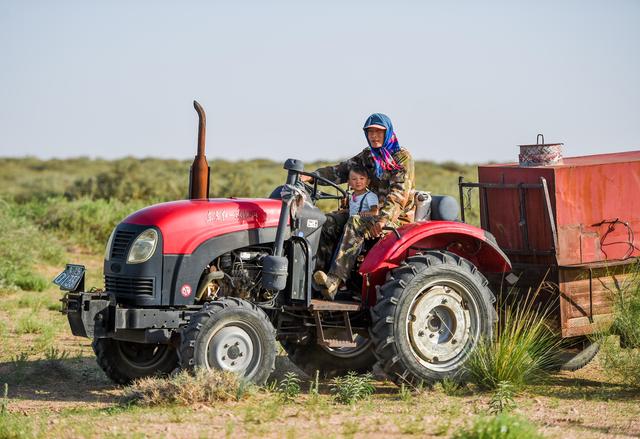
362, 344
442, 325
234, 348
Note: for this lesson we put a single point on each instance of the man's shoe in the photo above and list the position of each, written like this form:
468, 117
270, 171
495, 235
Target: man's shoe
330, 282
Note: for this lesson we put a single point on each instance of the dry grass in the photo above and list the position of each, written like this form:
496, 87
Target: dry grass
203, 387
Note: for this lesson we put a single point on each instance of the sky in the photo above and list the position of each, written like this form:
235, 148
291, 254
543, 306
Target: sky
465, 81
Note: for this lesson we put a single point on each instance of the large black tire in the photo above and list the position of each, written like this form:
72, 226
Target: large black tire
332, 362
430, 314
125, 361
230, 334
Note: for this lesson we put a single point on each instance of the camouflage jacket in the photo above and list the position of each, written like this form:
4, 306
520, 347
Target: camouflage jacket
395, 189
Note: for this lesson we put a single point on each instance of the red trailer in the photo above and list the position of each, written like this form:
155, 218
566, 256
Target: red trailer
571, 222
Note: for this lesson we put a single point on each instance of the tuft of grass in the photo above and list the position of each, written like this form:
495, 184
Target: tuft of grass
53, 354
404, 393
205, 387
503, 426
4, 402
29, 324
289, 387
314, 386
450, 386
352, 387
524, 349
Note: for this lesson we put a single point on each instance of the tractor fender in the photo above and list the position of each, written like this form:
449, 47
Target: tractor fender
472, 243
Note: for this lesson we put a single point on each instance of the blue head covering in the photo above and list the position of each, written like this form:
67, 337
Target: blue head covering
383, 156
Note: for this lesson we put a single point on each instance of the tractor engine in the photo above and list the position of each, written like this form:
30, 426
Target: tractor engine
237, 273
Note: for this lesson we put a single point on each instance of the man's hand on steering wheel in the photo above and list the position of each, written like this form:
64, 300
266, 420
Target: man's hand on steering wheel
373, 226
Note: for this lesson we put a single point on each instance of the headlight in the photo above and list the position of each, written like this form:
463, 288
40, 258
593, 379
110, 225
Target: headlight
143, 247
107, 251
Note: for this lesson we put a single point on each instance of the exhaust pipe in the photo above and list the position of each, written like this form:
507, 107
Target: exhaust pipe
199, 173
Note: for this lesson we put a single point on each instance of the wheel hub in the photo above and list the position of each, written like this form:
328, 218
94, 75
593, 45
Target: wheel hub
231, 348
438, 324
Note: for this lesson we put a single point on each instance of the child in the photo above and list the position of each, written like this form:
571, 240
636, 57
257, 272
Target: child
362, 201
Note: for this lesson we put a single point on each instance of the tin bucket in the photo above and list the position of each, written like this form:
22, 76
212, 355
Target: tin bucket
540, 154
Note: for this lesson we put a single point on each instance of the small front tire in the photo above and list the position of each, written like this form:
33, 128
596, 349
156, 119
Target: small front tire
230, 334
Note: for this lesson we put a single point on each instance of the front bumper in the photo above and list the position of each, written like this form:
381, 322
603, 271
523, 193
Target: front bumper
96, 315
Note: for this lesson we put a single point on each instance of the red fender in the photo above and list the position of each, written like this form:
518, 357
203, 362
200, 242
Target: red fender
470, 242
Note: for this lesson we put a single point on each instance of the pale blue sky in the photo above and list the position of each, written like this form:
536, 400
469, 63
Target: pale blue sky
464, 80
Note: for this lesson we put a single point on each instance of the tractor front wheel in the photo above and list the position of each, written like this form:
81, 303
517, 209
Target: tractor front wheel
230, 334
431, 313
124, 361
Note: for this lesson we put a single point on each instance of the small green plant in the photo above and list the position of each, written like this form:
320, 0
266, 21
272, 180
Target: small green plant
314, 385
289, 387
352, 387
502, 426
502, 398
450, 386
350, 428
30, 325
54, 354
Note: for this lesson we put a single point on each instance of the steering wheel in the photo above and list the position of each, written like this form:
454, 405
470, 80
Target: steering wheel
317, 194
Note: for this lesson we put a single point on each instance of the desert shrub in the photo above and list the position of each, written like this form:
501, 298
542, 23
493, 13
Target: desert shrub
523, 349
352, 387
21, 245
621, 361
503, 426
202, 387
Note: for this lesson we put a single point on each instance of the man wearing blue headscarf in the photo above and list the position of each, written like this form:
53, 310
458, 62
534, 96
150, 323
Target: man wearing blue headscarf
390, 169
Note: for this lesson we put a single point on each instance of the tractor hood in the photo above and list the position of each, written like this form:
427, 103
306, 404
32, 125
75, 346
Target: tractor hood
185, 224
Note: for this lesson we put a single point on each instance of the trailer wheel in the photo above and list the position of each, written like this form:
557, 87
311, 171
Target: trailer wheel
576, 354
230, 334
332, 362
430, 315
125, 361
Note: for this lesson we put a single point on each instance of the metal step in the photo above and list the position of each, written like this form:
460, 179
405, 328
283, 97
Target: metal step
334, 305
336, 343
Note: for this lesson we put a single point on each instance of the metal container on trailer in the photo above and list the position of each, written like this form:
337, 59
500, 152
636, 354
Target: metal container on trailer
573, 222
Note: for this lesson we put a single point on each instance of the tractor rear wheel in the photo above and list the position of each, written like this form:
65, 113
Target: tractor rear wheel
124, 361
230, 334
431, 313
332, 362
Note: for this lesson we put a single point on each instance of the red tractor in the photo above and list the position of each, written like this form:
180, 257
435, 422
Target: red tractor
217, 283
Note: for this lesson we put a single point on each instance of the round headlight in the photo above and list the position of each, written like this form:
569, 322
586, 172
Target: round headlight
107, 251
143, 247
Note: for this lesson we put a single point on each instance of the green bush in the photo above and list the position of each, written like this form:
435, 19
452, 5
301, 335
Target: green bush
22, 245
621, 361
503, 426
524, 347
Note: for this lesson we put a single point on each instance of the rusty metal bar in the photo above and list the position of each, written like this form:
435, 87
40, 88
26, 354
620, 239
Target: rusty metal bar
552, 221
461, 192
484, 218
523, 217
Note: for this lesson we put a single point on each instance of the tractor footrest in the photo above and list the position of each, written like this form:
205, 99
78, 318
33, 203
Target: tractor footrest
336, 343
334, 305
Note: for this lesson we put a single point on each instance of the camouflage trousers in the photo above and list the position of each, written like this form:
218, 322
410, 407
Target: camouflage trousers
341, 243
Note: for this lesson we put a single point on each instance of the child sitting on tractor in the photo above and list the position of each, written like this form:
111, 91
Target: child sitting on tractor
362, 201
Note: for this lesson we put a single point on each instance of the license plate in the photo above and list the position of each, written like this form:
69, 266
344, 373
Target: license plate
70, 278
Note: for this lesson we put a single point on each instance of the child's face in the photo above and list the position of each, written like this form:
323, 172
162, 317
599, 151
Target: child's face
358, 182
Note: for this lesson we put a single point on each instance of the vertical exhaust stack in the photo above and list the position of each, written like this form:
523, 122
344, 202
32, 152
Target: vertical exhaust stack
199, 174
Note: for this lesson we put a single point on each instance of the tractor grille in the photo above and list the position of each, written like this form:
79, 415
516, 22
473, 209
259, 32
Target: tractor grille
121, 243
129, 285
